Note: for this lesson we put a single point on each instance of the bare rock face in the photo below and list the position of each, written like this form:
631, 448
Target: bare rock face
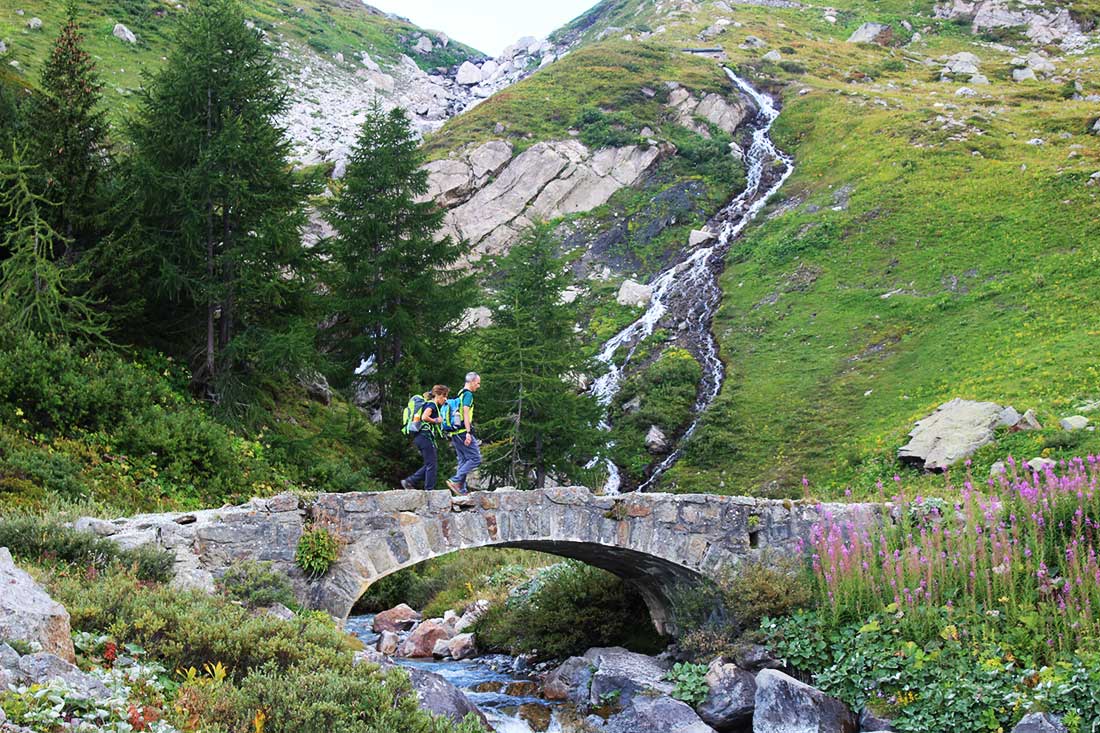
1043, 25
421, 643
398, 618
731, 696
546, 181
27, 613
785, 705
878, 33
656, 441
954, 431
451, 181
724, 113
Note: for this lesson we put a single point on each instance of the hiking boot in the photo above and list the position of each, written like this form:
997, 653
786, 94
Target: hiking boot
455, 488
406, 485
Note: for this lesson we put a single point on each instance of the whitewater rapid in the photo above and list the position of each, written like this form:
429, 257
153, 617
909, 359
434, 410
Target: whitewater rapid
695, 281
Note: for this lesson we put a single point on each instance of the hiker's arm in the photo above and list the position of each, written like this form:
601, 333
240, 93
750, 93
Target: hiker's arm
468, 421
427, 416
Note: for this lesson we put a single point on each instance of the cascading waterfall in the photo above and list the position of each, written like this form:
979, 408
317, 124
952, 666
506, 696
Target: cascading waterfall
695, 281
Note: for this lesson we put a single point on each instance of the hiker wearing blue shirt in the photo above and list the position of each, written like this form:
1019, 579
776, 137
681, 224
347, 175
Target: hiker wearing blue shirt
423, 421
461, 432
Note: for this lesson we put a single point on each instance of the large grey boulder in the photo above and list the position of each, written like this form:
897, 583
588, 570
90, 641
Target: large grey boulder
623, 674
879, 33
27, 613
569, 681
953, 432
634, 294
434, 693
1076, 422
1039, 723
423, 45
468, 74
124, 34
656, 441
785, 705
657, 715
38, 669
731, 697
35, 24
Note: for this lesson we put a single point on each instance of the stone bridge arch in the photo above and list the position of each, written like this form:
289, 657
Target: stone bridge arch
653, 541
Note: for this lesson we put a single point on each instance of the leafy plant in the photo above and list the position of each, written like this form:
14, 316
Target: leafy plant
318, 549
690, 682
257, 585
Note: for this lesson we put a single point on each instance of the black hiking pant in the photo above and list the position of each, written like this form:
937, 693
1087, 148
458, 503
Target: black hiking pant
426, 473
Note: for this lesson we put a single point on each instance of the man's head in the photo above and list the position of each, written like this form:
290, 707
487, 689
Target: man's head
473, 381
439, 393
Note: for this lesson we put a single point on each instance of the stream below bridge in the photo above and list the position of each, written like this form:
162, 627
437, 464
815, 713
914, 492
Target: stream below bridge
690, 289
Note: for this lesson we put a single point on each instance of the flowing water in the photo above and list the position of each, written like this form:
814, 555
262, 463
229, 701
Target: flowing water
496, 684
690, 289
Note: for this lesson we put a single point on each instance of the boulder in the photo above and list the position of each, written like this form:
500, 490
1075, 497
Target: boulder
27, 613
472, 615
755, 657
1030, 421
569, 681
478, 317
442, 649
488, 69
35, 24
879, 33
953, 432
1019, 75
9, 658
753, 42
1039, 723
772, 56
423, 45
1040, 465
965, 92
388, 643
998, 469
38, 669
468, 74
657, 715
421, 643
634, 294
463, 646
785, 705
731, 696
1096, 127
625, 672
440, 697
869, 722
398, 618
123, 33
277, 610
656, 441
700, 236
963, 63
1076, 422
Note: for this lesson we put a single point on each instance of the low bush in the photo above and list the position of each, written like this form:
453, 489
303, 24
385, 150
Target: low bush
690, 682
318, 549
42, 540
257, 585
564, 610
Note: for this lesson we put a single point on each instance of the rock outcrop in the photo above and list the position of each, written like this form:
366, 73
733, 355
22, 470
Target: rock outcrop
1042, 24
453, 180
953, 432
879, 33
546, 181
694, 111
123, 33
27, 613
785, 705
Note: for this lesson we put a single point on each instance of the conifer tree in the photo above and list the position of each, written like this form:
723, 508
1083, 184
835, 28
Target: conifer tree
216, 250
68, 134
530, 357
395, 292
35, 289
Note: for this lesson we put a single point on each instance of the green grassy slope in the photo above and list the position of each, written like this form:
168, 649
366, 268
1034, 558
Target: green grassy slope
326, 27
985, 243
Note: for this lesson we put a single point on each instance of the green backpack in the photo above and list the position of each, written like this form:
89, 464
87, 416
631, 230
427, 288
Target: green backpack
414, 408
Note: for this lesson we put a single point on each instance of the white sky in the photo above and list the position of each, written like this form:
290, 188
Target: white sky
487, 25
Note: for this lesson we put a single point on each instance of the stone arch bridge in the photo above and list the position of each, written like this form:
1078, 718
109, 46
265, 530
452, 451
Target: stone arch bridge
653, 541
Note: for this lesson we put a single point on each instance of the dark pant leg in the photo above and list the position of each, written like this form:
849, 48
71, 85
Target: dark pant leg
427, 472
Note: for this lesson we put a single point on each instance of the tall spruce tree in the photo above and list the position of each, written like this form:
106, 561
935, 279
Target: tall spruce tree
216, 249
35, 289
68, 135
395, 293
530, 357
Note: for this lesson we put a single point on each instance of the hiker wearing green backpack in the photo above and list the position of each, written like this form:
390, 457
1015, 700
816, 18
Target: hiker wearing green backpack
423, 421
458, 423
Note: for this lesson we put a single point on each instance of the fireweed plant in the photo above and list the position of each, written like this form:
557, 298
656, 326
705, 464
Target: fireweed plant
1020, 549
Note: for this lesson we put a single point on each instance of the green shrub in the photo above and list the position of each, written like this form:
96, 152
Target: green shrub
564, 610
690, 682
317, 551
257, 585
183, 629
41, 540
342, 699
792, 67
599, 129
